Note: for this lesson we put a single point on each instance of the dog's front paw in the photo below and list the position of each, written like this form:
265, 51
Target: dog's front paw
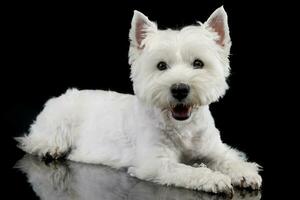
245, 175
218, 183
252, 181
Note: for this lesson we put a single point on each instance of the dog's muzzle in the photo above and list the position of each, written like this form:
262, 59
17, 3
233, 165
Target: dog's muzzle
180, 111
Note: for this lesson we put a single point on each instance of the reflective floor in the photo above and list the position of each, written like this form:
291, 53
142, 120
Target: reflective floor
70, 180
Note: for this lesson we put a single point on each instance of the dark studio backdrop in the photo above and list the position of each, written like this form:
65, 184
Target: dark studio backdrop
52, 47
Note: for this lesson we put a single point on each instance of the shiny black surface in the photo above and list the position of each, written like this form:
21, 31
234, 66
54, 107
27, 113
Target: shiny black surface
71, 180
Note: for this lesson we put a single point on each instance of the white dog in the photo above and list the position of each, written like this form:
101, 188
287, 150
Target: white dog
166, 125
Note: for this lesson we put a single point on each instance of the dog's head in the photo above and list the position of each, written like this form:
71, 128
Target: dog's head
179, 70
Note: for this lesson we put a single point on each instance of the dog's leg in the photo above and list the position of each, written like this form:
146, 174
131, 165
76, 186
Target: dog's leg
165, 170
233, 163
51, 135
52, 143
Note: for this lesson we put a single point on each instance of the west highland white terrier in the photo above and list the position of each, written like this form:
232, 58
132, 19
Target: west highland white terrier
158, 133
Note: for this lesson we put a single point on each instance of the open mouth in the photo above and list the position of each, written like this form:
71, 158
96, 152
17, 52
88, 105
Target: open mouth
181, 111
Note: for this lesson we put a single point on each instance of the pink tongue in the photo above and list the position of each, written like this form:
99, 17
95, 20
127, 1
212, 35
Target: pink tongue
180, 112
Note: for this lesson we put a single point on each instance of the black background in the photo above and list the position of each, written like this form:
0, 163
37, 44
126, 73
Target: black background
51, 47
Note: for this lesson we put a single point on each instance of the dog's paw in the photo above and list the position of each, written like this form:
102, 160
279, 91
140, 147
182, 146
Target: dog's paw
252, 181
244, 175
218, 183
55, 154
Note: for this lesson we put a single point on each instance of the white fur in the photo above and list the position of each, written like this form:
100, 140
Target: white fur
138, 131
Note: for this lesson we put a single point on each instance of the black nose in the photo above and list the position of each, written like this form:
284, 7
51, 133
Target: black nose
180, 91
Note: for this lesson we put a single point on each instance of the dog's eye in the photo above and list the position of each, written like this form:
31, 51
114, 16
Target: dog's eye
198, 64
162, 66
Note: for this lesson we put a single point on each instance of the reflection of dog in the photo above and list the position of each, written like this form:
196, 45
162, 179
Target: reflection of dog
72, 180
176, 74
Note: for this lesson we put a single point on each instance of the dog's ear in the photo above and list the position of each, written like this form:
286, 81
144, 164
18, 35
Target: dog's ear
217, 22
141, 26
